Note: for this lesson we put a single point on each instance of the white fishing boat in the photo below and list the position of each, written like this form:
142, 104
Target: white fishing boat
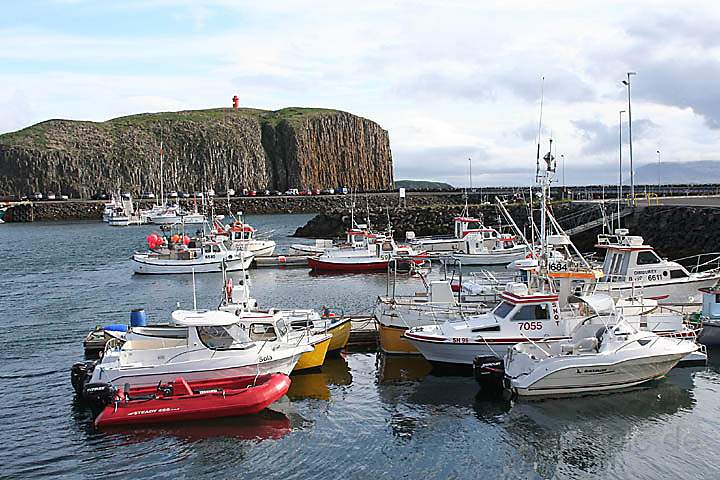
207, 345
596, 358
357, 238
630, 266
243, 236
168, 215
489, 247
464, 225
202, 255
194, 218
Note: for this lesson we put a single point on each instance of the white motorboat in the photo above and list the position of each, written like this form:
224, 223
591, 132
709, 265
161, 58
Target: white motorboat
489, 247
357, 238
318, 248
166, 216
630, 266
594, 359
214, 346
464, 225
242, 236
199, 256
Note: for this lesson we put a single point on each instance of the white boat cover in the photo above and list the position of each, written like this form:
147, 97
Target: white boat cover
203, 318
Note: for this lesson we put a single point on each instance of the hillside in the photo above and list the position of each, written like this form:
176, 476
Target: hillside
703, 171
422, 185
215, 148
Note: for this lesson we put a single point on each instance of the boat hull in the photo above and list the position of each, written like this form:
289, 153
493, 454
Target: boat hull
461, 354
314, 358
501, 258
678, 292
149, 266
242, 397
392, 341
223, 368
340, 336
598, 377
348, 264
710, 333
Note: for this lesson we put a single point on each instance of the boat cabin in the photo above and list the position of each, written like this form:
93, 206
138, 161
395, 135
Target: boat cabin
488, 239
465, 225
628, 259
711, 303
520, 305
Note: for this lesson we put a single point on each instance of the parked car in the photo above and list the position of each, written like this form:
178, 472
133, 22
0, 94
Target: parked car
50, 196
328, 191
173, 194
184, 195
148, 195
64, 197
210, 192
266, 192
231, 192
292, 191
252, 193
342, 190
126, 195
277, 193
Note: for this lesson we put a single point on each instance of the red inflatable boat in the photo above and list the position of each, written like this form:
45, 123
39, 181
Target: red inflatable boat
180, 400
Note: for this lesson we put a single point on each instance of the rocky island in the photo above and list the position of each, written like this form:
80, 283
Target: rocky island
304, 148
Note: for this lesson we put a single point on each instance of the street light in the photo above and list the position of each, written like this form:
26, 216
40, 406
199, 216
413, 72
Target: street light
562, 157
620, 183
632, 173
659, 172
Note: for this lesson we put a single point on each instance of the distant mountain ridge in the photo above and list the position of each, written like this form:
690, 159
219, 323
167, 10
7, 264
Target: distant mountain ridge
701, 171
423, 185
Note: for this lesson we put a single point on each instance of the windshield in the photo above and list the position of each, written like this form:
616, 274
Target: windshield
503, 309
222, 337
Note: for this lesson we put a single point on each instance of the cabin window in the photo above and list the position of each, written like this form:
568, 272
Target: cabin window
647, 258
208, 249
387, 247
503, 309
216, 248
532, 312
473, 225
221, 337
262, 332
678, 274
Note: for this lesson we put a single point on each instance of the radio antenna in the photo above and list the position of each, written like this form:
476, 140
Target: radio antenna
537, 155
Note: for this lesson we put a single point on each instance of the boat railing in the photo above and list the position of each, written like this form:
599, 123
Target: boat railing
702, 262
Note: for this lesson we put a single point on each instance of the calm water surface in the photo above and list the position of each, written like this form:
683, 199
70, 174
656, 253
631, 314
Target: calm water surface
364, 416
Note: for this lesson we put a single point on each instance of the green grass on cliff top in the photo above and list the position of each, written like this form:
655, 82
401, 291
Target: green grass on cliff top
35, 135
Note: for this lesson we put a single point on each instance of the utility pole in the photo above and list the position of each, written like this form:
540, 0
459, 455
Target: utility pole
620, 183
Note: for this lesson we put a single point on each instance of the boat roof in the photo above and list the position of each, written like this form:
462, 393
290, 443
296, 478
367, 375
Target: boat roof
203, 318
599, 302
528, 297
467, 219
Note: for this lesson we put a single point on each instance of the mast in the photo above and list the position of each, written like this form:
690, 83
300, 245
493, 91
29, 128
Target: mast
162, 184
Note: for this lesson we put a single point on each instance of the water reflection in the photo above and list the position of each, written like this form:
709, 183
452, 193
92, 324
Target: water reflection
585, 433
316, 385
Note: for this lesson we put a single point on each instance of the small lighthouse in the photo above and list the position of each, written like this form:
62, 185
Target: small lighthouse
236, 101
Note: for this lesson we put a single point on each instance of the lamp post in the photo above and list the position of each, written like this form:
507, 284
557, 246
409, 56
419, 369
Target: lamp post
659, 172
620, 183
632, 173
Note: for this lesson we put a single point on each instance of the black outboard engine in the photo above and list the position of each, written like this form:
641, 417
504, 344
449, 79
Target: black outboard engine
489, 371
80, 374
99, 396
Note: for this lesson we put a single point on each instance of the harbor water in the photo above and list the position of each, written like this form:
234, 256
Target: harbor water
364, 415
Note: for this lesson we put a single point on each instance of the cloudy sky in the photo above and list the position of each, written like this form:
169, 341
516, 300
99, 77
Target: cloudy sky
450, 80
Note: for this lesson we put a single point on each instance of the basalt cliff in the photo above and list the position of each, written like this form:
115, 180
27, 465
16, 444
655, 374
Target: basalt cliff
218, 148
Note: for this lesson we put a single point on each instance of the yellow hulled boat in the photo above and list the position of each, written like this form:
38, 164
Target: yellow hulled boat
340, 332
316, 357
392, 340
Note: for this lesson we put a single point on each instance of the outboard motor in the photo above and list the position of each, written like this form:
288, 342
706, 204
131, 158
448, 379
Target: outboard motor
489, 371
99, 396
80, 374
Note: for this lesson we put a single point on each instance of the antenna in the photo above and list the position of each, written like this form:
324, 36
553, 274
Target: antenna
537, 155
194, 294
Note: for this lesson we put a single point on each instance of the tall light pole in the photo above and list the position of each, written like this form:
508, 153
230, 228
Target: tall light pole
620, 183
659, 172
632, 173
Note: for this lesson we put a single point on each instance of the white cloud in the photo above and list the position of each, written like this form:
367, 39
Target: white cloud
447, 79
